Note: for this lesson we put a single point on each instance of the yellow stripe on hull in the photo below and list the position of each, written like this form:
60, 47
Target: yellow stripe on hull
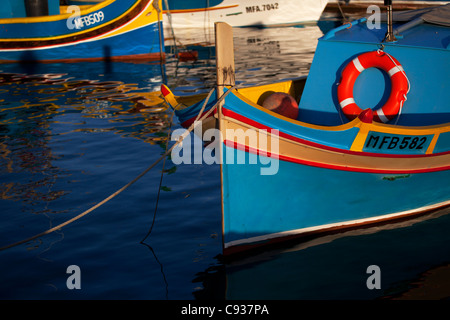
85, 10
148, 16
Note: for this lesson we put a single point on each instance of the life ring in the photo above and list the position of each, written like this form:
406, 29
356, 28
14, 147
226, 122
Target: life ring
399, 85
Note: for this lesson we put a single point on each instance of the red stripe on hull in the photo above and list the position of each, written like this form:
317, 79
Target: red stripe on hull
236, 116
241, 147
143, 57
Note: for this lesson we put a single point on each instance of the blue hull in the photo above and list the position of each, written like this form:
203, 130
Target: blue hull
370, 142
332, 172
111, 30
127, 45
301, 199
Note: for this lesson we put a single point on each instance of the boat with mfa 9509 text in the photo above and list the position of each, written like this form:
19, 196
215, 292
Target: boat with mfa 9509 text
45, 31
369, 143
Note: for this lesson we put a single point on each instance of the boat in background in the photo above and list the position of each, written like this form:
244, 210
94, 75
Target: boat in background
45, 31
188, 23
352, 157
247, 13
359, 7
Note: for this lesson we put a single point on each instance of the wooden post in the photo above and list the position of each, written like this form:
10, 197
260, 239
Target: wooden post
224, 58
224, 77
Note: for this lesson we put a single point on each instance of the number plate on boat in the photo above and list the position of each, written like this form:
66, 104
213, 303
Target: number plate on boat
396, 143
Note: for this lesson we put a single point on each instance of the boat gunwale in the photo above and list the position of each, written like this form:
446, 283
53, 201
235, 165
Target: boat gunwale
330, 36
356, 123
84, 35
235, 117
60, 16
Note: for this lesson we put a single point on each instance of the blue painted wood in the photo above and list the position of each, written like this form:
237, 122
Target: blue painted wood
130, 43
303, 194
422, 53
300, 196
43, 29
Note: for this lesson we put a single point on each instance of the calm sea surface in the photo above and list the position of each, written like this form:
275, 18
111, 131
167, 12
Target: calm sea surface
72, 134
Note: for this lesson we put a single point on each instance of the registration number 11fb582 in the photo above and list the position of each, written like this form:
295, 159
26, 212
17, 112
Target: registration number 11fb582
396, 143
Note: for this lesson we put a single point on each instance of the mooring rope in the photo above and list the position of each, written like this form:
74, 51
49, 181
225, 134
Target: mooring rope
160, 181
115, 194
409, 86
342, 12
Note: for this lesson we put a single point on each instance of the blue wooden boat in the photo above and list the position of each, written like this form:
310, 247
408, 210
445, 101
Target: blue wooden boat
370, 144
45, 31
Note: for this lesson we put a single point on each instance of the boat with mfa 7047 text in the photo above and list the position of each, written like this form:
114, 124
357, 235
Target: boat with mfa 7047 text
45, 31
247, 13
368, 141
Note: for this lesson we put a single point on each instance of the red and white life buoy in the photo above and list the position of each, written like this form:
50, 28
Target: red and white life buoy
383, 61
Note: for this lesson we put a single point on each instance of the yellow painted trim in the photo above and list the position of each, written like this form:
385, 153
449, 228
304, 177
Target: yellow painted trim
432, 144
374, 126
170, 97
358, 143
143, 19
251, 95
84, 10
419, 130
360, 139
183, 101
240, 94
297, 151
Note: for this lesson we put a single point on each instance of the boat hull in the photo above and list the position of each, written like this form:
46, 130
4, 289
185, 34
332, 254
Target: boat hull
301, 200
60, 39
243, 13
285, 178
300, 180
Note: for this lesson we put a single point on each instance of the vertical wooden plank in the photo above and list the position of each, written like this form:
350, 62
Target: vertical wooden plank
224, 77
224, 56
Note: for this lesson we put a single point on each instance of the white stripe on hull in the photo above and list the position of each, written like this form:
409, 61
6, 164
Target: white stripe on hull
333, 225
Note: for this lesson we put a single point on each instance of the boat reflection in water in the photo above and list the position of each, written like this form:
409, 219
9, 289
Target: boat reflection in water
44, 112
336, 266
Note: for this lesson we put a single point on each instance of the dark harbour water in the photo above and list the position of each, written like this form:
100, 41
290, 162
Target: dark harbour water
72, 134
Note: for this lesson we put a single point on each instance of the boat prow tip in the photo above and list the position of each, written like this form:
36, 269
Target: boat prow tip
165, 90
169, 97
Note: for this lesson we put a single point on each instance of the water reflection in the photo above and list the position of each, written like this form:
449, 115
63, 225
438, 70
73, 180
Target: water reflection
24, 137
41, 112
51, 96
335, 266
67, 133
261, 56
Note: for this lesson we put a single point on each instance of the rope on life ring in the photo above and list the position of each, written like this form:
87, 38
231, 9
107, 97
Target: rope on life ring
399, 88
